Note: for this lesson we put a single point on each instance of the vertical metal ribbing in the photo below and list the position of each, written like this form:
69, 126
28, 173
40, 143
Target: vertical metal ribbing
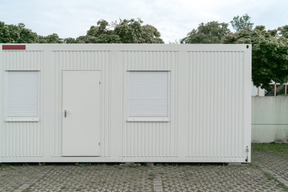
148, 139
75, 60
22, 139
215, 111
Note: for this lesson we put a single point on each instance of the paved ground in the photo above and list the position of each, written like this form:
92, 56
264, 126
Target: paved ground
273, 163
268, 172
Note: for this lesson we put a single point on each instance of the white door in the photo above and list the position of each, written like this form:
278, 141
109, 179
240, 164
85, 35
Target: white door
81, 113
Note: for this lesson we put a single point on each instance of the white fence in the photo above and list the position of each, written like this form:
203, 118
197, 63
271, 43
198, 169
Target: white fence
270, 119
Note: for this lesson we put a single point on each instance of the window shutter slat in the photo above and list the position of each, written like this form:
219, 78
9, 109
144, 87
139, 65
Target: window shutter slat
22, 95
148, 94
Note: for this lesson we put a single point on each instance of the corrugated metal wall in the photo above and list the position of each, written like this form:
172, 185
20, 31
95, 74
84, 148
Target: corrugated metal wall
216, 100
21, 139
209, 103
70, 60
150, 139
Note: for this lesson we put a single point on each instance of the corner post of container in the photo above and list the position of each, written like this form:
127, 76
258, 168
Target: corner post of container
1, 104
247, 101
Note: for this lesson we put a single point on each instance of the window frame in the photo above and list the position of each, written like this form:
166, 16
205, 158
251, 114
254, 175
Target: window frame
27, 118
151, 118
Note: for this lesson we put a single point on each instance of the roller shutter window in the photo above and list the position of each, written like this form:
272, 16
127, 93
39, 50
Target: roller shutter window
148, 95
22, 95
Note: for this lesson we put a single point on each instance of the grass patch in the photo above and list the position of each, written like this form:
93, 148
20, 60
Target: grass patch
271, 147
283, 186
151, 176
134, 165
269, 176
83, 164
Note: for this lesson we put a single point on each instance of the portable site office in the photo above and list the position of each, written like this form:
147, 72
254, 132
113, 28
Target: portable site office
125, 103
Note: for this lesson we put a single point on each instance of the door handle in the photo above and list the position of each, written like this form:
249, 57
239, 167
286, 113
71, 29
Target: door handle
65, 113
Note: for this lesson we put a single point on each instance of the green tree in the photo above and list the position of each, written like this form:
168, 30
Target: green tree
132, 31
124, 31
81, 39
284, 31
16, 34
241, 23
211, 32
20, 34
53, 38
99, 34
70, 40
269, 54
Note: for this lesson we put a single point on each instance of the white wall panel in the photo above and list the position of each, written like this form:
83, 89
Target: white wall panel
149, 60
21, 139
2, 136
209, 103
80, 60
22, 60
73, 60
216, 108
150, 139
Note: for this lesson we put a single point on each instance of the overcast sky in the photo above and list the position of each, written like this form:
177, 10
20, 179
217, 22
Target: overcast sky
173, 18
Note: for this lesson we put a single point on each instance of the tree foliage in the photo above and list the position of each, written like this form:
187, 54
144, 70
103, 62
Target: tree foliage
269, 54
284, 31
20, 34
124, 31
211, 32
241, 23
132, 31
53, 38
16, 34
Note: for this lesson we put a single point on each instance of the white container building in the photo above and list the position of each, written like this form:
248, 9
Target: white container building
125, 103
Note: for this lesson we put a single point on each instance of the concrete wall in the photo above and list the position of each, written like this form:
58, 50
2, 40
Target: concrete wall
269, 119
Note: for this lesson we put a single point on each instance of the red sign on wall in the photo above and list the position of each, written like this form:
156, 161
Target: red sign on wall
13, 47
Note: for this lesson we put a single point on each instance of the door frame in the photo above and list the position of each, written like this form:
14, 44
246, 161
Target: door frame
61, 113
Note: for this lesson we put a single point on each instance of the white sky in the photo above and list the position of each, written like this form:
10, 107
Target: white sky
173, 18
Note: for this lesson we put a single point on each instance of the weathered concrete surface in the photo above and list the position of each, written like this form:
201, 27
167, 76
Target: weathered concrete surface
273, 163
96, 178
163, 177
217, 178
13, 177
269, 119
